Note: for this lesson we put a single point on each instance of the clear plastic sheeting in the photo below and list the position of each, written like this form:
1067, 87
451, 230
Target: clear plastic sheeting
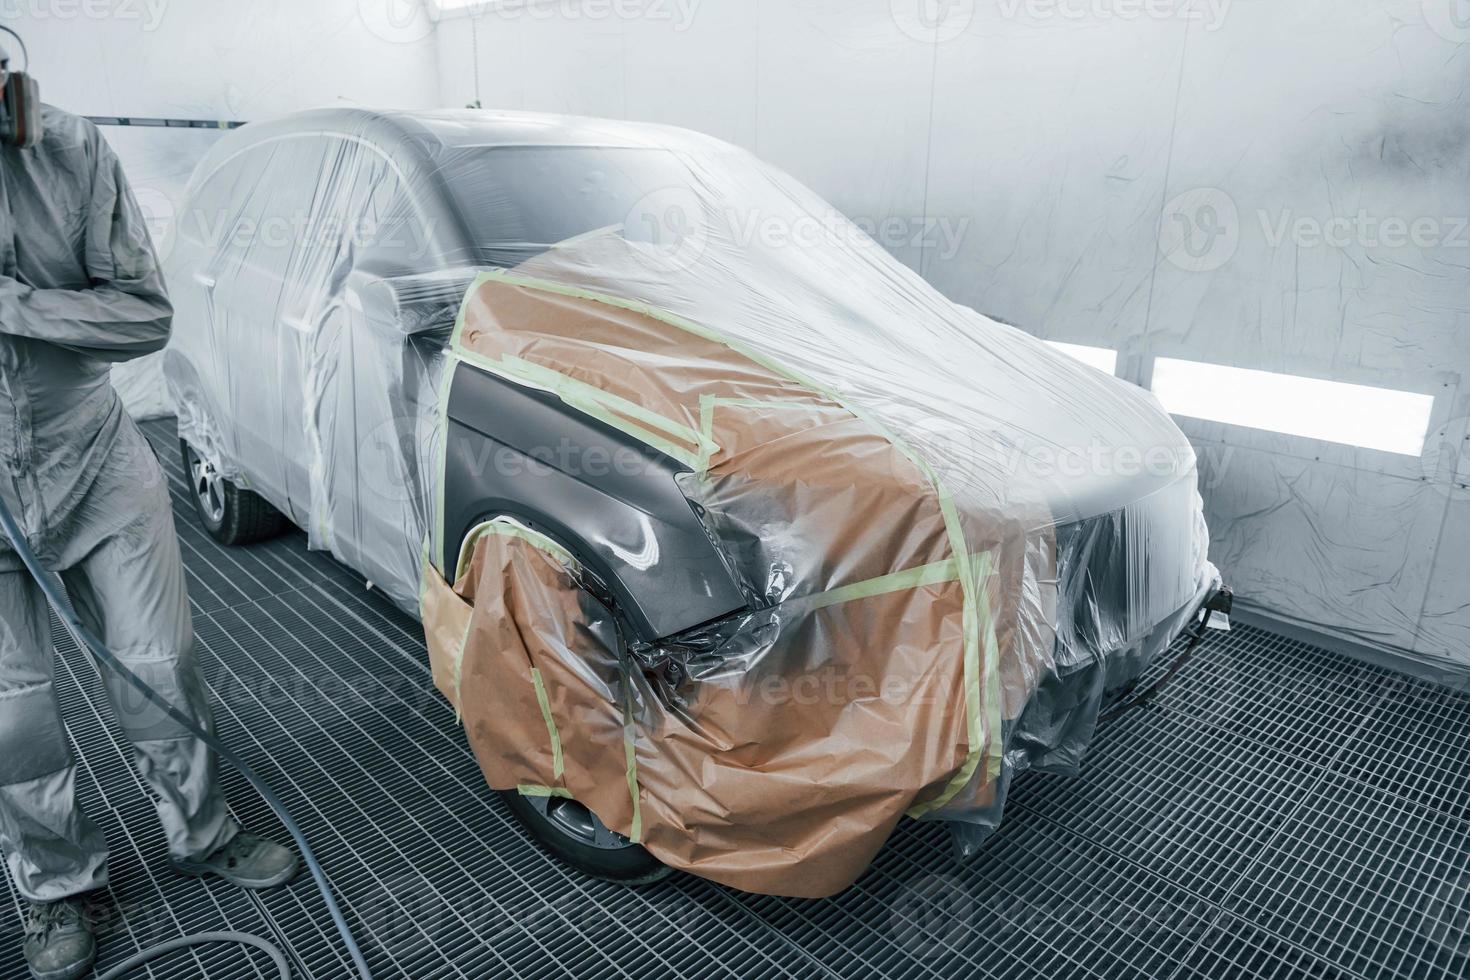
946, 540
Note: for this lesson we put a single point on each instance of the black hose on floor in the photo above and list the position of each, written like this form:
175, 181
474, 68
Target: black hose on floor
201, 939
55, 593
1218, 601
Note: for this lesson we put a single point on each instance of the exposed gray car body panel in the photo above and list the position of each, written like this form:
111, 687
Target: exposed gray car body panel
525, 453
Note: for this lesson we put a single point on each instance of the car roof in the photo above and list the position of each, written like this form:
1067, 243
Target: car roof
451, 129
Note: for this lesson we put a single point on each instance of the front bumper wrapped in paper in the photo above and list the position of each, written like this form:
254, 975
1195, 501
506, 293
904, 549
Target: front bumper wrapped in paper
905, 651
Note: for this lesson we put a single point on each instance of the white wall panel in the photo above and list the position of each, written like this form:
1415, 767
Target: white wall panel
1444, 628
207, 60
697, 70
1323, 545
538, 64
1051, 139
1291, 121
1330, 142
844, 104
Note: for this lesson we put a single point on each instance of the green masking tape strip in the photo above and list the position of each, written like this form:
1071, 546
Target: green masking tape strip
992, 687
434, 544
604, 405
504, 527
600, 405
976, 574
566, 384
630, 754
557, 766
458, 664
706, 431
707, 406
530, 789
974, 627
934, 573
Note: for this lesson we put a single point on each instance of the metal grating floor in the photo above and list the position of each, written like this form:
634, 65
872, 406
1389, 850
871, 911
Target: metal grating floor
1284, 812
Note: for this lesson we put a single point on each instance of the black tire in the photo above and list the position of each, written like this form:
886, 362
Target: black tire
592, 849
231, 515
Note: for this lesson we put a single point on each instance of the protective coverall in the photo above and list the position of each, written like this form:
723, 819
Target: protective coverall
80, 288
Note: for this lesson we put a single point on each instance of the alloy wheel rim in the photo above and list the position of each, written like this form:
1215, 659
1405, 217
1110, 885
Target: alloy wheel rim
208, 488
573, 818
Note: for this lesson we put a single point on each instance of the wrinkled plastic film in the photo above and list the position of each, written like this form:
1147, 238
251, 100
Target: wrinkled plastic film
950, 541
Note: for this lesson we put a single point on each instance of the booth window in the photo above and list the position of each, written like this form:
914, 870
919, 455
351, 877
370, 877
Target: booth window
1332, 411
1103, 358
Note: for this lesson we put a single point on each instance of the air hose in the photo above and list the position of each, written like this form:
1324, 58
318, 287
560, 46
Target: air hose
1219, 601
183, 942
55, 593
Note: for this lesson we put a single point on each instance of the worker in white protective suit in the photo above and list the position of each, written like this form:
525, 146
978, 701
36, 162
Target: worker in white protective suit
80, 289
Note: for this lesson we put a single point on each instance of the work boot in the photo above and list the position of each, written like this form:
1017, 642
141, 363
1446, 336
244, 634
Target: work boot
247, 860
59, 944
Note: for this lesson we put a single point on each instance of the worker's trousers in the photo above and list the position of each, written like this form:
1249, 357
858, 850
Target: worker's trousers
129, 590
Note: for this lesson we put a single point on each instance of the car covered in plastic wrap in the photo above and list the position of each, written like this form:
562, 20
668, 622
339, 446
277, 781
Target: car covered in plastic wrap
733, 540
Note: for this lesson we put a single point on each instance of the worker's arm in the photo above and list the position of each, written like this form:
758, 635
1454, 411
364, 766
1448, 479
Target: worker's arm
125, 312
111, 321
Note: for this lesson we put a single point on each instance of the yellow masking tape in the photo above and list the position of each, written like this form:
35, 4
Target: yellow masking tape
992, 687
630, 755
434, 547
978, 631
558, 382
457, 666
977, 572
707, 430
579, 395
505, 527
934, 573
530, 789
557, 766
707, 406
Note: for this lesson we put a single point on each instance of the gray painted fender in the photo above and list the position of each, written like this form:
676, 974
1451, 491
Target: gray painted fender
521, 452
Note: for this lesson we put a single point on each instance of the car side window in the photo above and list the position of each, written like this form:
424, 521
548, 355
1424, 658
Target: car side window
251, 218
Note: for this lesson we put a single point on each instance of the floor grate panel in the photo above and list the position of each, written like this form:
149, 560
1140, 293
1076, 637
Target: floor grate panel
1283, 812
1237, 949
1187, 800
1367, 880
1417, 746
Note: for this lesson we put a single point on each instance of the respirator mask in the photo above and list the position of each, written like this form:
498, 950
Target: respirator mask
20, 107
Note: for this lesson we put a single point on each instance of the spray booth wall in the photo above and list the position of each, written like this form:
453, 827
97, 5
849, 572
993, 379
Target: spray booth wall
1027, 155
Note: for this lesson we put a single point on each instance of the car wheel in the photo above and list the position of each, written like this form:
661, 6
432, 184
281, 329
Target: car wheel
230, 515
573, 833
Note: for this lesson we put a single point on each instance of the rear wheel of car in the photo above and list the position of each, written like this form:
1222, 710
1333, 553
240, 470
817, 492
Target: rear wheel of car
573, 833
230, 515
